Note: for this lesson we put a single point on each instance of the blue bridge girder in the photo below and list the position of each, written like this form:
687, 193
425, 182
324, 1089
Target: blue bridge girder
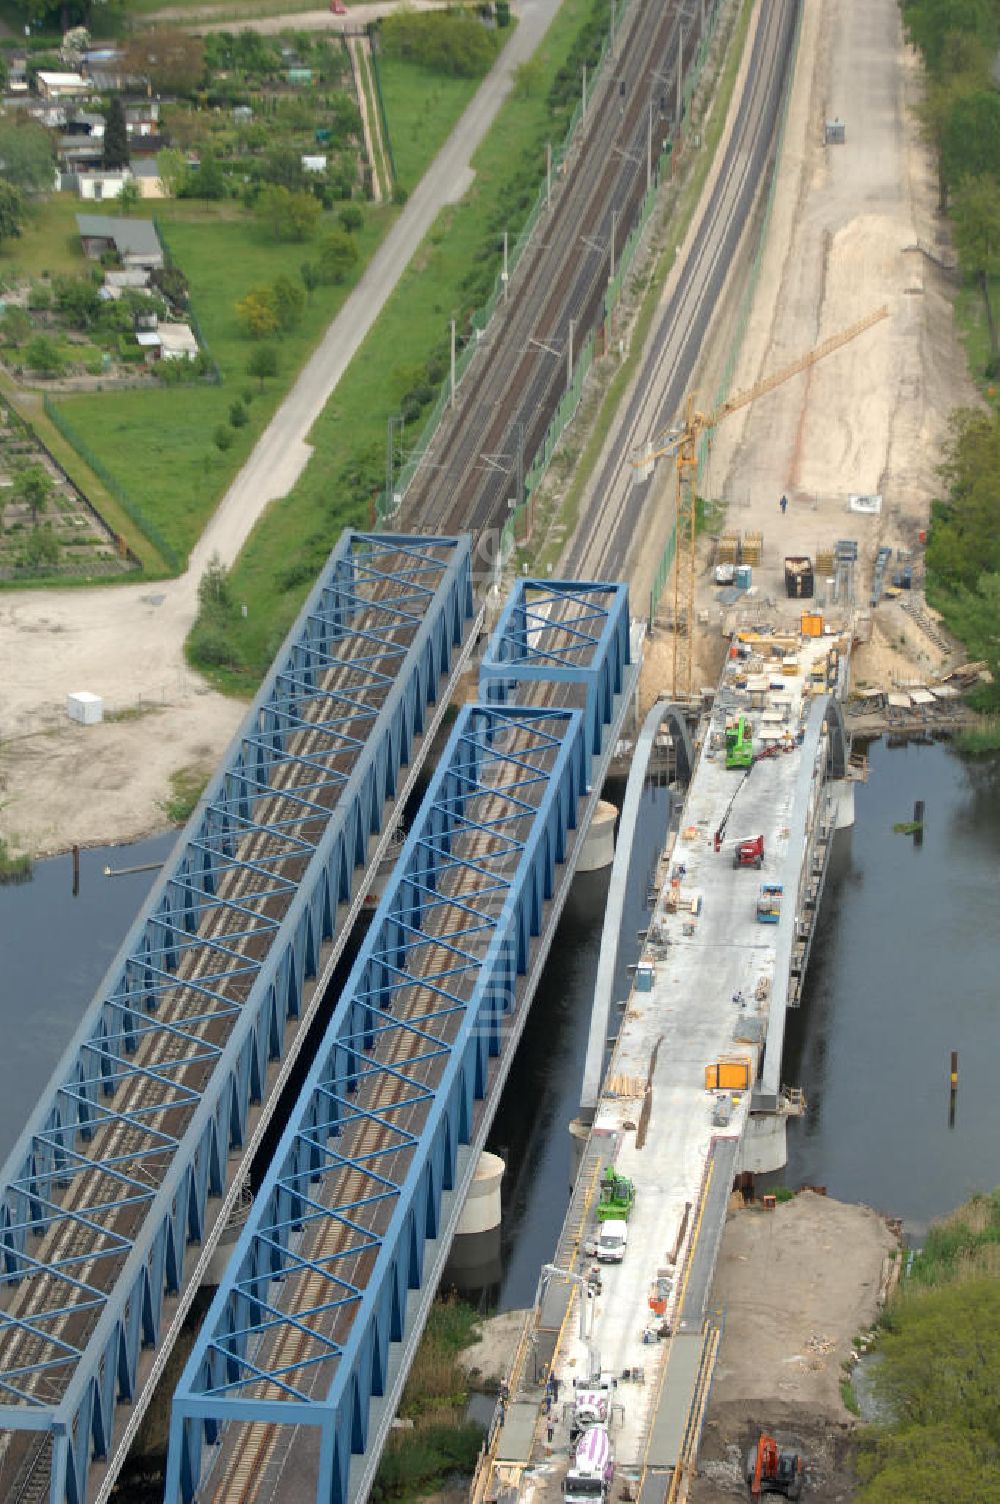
136, 1151
565, 633
345, 1235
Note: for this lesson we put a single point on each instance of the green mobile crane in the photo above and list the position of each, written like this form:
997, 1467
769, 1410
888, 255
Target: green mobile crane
616, 1198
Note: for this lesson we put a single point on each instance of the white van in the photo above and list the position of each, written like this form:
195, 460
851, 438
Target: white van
612, 1242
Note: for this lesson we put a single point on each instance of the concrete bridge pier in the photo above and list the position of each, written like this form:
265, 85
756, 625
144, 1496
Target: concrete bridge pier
841, 795
599, 845
764, 1147
474, 1259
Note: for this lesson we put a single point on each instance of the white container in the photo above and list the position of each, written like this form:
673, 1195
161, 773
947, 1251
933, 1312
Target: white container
84, 707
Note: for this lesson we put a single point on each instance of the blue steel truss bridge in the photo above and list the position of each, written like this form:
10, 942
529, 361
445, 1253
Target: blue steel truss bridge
295, 1377
113, 1198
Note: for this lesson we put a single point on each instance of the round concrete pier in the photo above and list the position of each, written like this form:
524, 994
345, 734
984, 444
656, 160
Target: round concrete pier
474, 1259
482, 1205
599, 843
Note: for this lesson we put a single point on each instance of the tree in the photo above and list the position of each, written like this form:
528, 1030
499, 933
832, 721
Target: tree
16, 326
976, 211
289, 215
283, 167
209, 181
129, 196
115, 152
171, 59
77, 298
26, 155
258, 313
223, 437
443, 42
215, 597
309, 272
289, 302
172, 169
33, 486
42, 357
238, 415
351, 219
11, 211
75, 43
337, 256
41, 548
263, 363
970, 137
529, 78
930, 24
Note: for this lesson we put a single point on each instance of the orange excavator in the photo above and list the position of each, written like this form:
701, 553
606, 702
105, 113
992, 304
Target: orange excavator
773, 1471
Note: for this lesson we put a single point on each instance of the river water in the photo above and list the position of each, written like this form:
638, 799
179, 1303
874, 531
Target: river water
54, 950
903, 971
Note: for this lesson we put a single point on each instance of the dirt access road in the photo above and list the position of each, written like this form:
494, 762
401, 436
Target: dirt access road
797, 1285
61, 783
872, 417
200, 19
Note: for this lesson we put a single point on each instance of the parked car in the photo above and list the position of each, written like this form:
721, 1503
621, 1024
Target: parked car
338, 7
612, 1242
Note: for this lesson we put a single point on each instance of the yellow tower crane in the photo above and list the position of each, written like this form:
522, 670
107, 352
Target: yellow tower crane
682, 443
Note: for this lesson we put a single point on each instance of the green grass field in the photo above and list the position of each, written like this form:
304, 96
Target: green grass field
421, 107
48, 243
351, 432
158, 443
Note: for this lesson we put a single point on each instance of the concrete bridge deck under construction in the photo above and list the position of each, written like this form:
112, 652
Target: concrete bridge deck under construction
710, 994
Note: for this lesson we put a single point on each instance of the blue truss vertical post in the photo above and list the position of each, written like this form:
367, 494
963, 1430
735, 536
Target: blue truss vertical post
568, 633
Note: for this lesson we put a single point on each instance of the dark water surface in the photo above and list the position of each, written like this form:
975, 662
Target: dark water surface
542, 1095
905, 969
54, 950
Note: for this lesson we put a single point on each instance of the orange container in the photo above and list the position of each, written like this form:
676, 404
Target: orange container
811, 624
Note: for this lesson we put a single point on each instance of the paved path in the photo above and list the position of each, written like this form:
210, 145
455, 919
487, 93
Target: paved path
149, 626
200, 21
282, 451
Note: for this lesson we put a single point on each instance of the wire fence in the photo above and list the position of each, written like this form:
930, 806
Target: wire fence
212, 374
376, 74
130, 507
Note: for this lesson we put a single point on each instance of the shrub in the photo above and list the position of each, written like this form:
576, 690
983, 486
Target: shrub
338, 254
351, 218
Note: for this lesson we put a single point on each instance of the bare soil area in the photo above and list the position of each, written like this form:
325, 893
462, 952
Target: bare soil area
845, 230
797, 1285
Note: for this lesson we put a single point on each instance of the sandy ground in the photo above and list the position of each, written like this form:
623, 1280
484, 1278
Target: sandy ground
488, 1360
870, 418
797, 1285
62, 784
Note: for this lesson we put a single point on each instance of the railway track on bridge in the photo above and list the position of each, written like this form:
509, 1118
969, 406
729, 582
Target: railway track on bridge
515, 381
174, 1050
240, 1474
